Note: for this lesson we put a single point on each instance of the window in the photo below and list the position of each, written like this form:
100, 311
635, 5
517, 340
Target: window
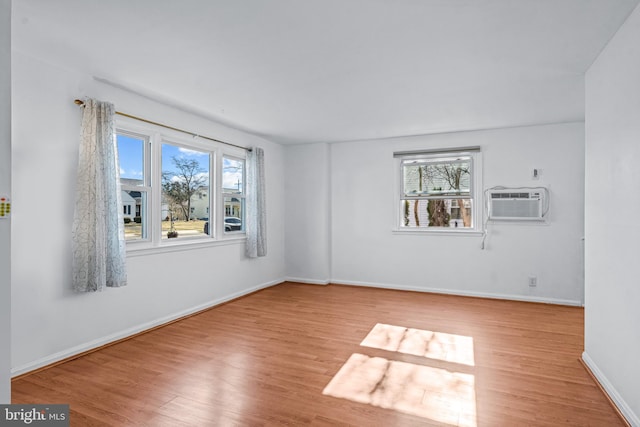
185, 175
135, 183
440, 190
169, 188
234, 194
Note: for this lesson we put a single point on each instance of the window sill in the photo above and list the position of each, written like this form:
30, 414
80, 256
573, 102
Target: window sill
140, 249
448, 232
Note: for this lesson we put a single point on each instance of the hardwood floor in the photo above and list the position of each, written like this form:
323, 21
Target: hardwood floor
265, 359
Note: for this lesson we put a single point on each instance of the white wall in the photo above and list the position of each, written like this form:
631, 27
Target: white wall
612, 316
49, 320
307, 221
365, 251
5, 189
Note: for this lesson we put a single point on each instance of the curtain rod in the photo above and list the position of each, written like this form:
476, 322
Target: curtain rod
81, 103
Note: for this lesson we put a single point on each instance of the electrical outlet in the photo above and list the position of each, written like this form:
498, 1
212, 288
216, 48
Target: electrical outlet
533, 281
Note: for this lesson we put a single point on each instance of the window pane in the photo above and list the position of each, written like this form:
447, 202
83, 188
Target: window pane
131, 158
437, 176
233, 214
232, 175
185, 191
135, 208
437, 213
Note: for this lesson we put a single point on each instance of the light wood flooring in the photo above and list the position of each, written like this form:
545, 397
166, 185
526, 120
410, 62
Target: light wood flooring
266, 358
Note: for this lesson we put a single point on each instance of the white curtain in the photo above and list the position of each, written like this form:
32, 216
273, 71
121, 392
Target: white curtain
256, 219
98, 227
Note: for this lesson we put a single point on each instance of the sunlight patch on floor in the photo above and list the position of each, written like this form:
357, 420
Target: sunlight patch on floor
433, 393
418, 342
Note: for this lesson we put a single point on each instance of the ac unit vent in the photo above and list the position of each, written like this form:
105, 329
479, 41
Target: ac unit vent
511, 195
516, 205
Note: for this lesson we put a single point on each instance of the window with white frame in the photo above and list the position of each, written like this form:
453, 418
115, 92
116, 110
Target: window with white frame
173, 183
185, 177
440, 190
233, 170
135, 182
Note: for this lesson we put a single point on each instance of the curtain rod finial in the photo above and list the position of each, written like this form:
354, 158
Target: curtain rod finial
78, 102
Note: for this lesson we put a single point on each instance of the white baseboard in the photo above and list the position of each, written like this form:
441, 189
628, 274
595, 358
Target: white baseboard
79, 349
308, 281
465, 293
624, 408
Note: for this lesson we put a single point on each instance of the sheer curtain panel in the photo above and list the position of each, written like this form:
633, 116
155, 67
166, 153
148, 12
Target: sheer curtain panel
98, 228
256, 227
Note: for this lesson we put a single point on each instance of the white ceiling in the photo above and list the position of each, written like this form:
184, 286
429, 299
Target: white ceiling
299, 71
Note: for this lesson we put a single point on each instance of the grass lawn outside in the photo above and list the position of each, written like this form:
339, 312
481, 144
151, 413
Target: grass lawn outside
133, 231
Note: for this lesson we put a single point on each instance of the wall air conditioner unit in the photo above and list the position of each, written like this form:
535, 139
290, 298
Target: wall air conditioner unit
518, 205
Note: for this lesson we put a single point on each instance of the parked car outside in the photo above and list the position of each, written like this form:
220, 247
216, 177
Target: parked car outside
231, 223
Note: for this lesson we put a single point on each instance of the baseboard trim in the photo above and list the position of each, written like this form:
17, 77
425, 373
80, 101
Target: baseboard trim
307, 281
617, 402
97, 344
464, 293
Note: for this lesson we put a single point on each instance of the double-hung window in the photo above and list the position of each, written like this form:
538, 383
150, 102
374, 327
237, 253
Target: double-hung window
440, 190
186, 184
135, 181
178, 190
233, 177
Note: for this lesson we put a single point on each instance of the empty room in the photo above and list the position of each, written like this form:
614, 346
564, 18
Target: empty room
337, 212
